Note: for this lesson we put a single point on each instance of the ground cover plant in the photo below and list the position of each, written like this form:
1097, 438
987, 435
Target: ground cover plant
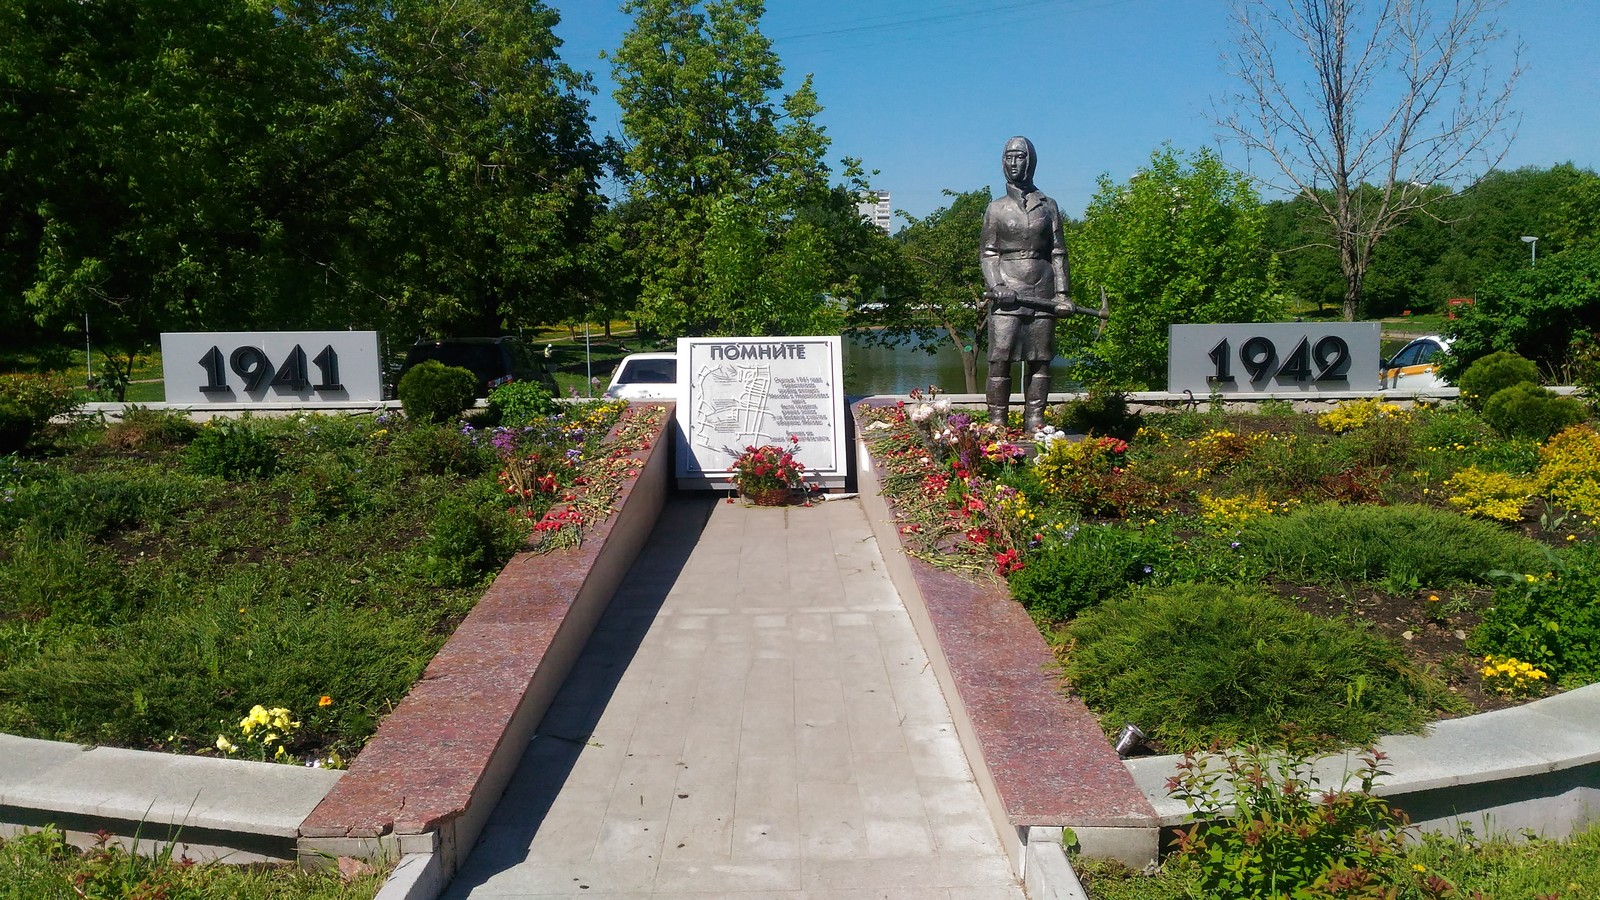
270, 588
1432, 551
1266, 826
41, 865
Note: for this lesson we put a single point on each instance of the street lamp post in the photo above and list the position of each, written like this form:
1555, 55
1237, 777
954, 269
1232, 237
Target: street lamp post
1533, 249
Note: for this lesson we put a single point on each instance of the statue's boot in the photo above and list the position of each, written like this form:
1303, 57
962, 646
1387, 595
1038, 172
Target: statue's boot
1035, 396
999, 397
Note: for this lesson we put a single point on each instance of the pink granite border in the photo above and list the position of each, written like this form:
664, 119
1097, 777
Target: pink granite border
1041, 751
439, 763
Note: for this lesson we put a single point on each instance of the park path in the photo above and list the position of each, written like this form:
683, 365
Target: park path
753, 718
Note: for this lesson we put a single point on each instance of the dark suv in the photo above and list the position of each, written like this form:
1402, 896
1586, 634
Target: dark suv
495, 361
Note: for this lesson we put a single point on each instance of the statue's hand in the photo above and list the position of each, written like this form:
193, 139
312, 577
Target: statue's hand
1003, 297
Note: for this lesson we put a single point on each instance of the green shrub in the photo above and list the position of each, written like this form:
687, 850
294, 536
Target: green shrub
434, 392
142, 428
1494, 373
328, 487
517, 403
424, 449
1527, 410
27, 402
468, 539
1265, 827
1101, 412
1193, 664
1094, 564
1329, 542
1549, 618
232, 450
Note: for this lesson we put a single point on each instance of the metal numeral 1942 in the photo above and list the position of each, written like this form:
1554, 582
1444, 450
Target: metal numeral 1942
257, 371
1330, 357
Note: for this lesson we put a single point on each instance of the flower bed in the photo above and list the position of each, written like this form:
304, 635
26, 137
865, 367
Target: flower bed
159, 579
1280, 506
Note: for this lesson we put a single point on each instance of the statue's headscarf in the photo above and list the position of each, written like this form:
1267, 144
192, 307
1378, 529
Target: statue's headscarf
1033, 159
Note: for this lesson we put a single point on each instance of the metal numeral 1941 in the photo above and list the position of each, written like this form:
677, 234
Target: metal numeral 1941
1330, 356
257, 371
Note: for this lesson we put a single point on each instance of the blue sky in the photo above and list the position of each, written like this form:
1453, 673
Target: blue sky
927, 91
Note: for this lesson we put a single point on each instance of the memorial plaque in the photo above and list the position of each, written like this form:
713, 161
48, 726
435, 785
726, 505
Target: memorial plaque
742, 391
1273, 357
267, 367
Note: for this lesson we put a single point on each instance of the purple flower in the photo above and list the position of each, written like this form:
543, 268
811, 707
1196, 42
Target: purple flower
958, 421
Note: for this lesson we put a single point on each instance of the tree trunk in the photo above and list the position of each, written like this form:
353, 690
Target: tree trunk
1355, 272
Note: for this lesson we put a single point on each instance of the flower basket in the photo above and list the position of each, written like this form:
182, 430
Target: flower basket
768, 475
769, 496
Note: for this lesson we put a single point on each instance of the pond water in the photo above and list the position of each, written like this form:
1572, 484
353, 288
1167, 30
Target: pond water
912, 363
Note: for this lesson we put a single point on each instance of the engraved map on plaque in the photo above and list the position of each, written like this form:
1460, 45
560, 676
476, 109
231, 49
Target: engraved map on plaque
739, 392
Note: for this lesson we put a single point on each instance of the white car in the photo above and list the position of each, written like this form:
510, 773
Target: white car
645, 376
1414, 368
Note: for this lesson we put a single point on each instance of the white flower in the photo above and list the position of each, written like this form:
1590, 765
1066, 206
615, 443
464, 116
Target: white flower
921, 412
941, 406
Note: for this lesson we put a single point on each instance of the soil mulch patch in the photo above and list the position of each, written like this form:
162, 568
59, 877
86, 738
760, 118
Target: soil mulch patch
1435, 643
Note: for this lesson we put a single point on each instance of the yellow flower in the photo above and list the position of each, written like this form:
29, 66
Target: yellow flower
225, 745
1433, 598
1572, 537
325, 700
1418, 867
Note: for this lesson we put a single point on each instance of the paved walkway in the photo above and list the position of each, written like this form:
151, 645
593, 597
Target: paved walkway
754, 718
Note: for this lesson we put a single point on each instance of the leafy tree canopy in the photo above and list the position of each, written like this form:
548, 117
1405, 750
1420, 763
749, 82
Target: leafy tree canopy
734, 226
209, 164
1180, 243
938, 293
1539, 312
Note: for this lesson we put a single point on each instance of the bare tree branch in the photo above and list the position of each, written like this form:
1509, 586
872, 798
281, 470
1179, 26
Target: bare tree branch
1365, 105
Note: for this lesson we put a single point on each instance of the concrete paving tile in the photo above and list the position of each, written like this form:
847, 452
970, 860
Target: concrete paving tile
935, 751
905, 836
767, 787
790, 701
818, 701
727, 878
765, 838
626, 837
644, 787
700, 826
478, 879
879, 894
971, 835
823, 751
905, 872
986, 892
833, 824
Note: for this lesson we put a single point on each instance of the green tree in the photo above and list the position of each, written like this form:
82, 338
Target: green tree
1486, 222
1179, 243
1537, 312
940, 296
473, 202
718, 172
215, 164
